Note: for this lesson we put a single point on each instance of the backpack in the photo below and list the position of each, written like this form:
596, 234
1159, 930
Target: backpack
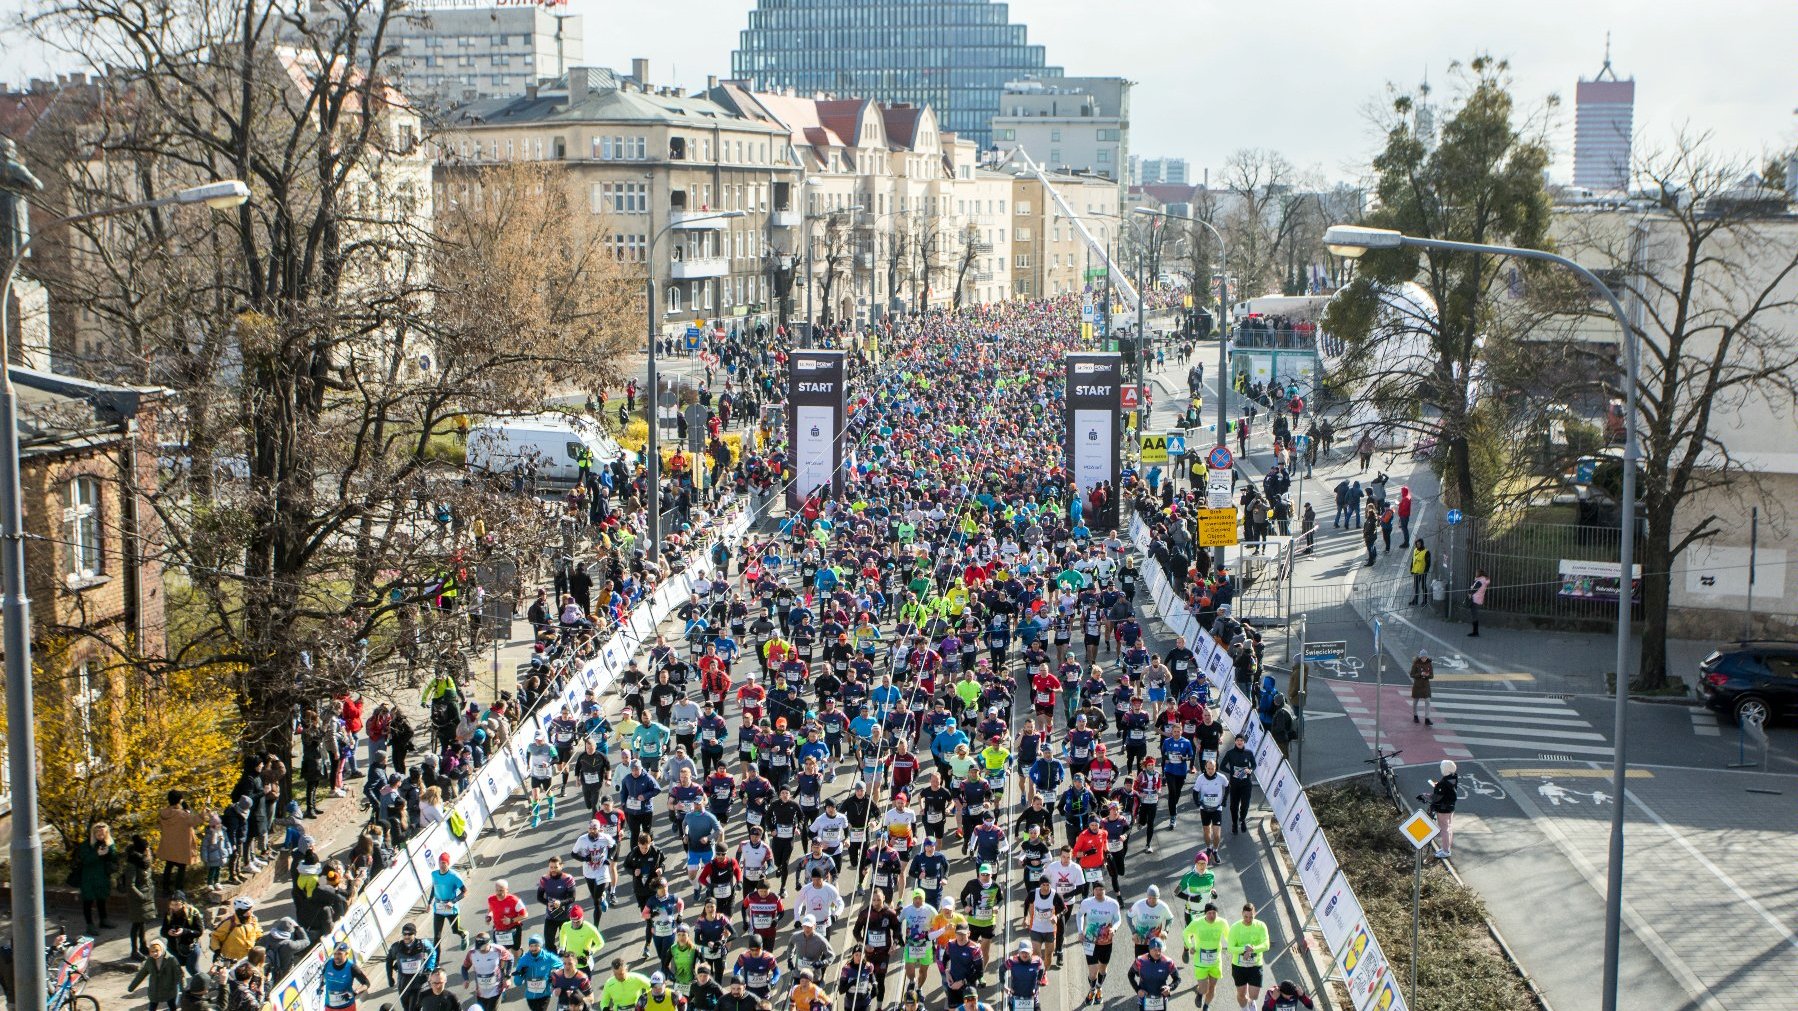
458, 825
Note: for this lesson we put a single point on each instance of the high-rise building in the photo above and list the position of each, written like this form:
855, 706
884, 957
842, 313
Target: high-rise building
955, 56
456, 52
1604, 113
1068, 122
1162, 172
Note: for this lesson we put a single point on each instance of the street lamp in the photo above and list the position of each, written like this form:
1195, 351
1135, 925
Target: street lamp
21, 738
653, 484
1353, 240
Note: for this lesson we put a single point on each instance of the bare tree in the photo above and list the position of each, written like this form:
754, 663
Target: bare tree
835, 254
968, 259
1270, 207
1712, 271
326, 341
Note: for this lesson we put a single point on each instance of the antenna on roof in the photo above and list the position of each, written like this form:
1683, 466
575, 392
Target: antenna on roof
1606, 69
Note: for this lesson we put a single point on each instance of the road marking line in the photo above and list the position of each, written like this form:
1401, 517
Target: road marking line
1578, 749
1517, 708
1573, 773
1526, 733
1458, 752
1518, 721
1657, 946
1488, 678
1716, 872
1704, 723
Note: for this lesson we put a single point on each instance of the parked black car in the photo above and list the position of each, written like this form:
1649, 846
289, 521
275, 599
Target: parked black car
1751, 680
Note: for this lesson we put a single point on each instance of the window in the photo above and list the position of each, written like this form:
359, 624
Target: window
81, 530
1055, 136
602, 148
1055, 156
1104, 156
674, 298
90, 695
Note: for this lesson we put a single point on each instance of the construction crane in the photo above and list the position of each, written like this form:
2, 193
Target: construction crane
1119, 280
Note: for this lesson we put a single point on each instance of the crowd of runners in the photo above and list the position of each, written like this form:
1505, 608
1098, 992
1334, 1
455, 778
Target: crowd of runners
935, 672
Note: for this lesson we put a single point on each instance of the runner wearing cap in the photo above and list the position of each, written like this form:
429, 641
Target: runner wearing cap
580, 938
983, 898
447, 890
756, 968
1023, 976
533, 970
409, 961
486, 968
342, 979
1149, 920
1154, 977
811, 951
962, 963
1197, 886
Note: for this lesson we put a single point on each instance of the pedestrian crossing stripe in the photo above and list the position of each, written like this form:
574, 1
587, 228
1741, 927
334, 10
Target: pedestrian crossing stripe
1486, 678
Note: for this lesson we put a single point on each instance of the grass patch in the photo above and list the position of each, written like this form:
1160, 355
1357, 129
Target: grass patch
1459, 965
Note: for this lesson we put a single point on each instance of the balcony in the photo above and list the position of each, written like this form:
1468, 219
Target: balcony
696, 221
694, 270
784, 219
983, 277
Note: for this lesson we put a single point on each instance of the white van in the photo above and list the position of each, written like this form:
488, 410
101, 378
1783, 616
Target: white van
554, 441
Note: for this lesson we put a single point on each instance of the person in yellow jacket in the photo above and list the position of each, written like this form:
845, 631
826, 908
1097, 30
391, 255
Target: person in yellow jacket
1204, 938
957, 598
238, 932
1247, 942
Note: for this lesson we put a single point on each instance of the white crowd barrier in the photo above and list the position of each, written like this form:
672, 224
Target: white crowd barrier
1353, 947
391, 896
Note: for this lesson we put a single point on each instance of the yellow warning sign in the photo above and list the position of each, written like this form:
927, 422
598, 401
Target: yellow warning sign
1154, 448
1188, 301
1217, 528
1420, 828
1086, 331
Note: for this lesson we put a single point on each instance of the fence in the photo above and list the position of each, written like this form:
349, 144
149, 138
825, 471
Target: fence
1354, 949
1562, 571
389, 898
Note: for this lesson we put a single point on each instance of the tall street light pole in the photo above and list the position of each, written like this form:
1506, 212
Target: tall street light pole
1352, 241
21, 737
652, 485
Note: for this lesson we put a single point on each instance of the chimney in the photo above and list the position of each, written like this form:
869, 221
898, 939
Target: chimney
578, 87
530, 91
711, 82
640, 70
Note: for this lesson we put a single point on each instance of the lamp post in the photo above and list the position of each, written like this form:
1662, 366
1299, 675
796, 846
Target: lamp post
652, 486
21, 738
1352, 241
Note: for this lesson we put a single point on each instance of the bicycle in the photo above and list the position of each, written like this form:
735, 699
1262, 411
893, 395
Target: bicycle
1388, 778
70, 977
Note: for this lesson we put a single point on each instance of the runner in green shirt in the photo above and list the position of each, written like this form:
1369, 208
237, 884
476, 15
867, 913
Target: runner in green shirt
1197, 886
1204, 939
1248, 943
622, 988
683, 956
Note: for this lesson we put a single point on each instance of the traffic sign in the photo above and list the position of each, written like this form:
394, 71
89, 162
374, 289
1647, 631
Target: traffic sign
1220, 458
1176, 444
1453, 517
1154, 448
1131, 397
1219, 489
1217, 528
1419, 829
1324, 652
1301, 441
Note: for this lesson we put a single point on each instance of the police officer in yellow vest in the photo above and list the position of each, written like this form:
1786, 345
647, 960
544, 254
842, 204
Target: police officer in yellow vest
1420, 571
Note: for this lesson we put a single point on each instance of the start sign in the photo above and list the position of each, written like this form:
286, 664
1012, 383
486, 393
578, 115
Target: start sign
1154, 449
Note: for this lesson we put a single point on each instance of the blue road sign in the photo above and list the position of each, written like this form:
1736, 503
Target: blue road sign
1176, 444
1453, 517
1220, 458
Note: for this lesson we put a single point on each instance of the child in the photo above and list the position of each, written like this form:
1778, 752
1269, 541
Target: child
216, 850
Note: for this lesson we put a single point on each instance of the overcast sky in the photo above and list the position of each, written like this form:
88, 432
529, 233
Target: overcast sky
1299, 76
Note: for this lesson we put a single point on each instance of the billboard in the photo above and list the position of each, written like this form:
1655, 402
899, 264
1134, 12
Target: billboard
1094, 389
817, 413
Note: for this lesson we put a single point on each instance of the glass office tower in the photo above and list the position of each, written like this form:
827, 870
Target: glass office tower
955, 56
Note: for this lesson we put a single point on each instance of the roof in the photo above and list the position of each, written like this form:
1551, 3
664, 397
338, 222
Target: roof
1167, 193
61, 412
606, 106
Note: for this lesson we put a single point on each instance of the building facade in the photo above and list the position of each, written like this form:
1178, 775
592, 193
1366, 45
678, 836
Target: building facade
896, 214
459, 53
1159, 171
1603, 117
953, 56
1068, 123
654, 165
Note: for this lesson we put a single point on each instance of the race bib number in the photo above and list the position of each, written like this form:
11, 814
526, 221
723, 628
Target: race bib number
857, 834
633, 804
1251, 957
784, 831
753, 817
411, 966
722, 891
1113, 846
877, 938
1092, 875
762, 921
443, 907
590, 778
505, 938
1208, 957
1154, 1003
536, 987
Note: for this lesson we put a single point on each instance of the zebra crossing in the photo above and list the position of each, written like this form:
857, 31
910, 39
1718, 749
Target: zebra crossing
1491, 724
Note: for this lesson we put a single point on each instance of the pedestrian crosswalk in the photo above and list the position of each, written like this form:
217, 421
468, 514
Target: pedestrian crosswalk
1704, 723
1470, 722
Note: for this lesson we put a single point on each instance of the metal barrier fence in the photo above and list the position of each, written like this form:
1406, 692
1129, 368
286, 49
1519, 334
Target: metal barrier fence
1552, 570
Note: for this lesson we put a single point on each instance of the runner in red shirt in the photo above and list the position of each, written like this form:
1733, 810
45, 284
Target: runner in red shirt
750, 698
761, 911
1042, 693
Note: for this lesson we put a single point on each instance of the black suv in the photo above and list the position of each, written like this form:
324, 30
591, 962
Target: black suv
1752, 680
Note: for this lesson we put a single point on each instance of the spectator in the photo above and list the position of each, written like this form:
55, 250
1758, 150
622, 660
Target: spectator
175, 845
94, 863
164, 974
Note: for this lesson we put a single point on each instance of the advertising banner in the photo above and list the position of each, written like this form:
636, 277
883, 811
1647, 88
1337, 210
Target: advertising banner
817, 413
1094, 385
1316, 862
1338, 913
1299, 823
